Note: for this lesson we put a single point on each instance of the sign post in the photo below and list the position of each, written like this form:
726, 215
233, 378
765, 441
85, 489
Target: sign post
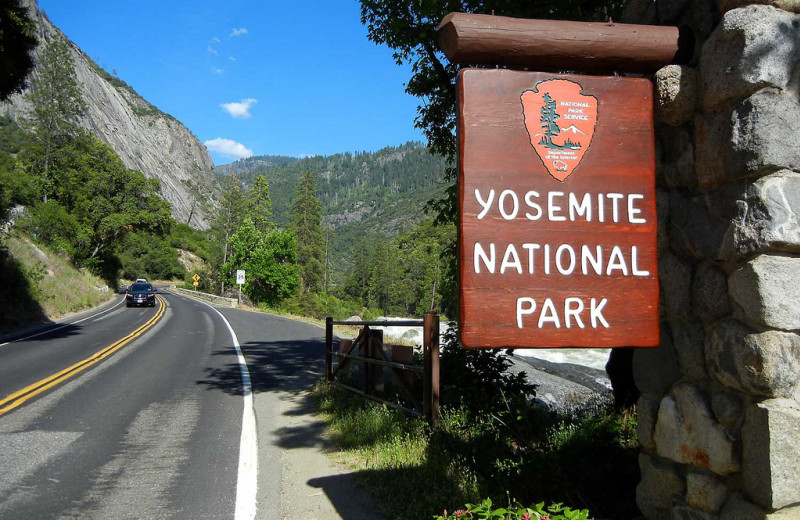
196, 281
557, 236
240, 282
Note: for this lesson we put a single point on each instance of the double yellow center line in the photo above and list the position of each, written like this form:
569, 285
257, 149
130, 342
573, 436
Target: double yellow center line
18, 398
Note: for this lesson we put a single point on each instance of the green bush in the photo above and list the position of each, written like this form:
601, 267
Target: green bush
515, 511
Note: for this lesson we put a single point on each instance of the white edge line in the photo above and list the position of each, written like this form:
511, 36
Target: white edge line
247, 479
48, 331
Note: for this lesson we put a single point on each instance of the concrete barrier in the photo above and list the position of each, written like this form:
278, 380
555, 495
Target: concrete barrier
211, 298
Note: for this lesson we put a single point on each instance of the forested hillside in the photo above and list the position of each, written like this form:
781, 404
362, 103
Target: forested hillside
363, 194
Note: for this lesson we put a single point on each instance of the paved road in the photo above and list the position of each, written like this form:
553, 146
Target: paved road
150, 431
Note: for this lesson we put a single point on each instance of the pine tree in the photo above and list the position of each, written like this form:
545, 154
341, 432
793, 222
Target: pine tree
230, 216
306, 216
56, 107
260, 205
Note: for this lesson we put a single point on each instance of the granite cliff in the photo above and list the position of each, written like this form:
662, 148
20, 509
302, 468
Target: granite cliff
143, 137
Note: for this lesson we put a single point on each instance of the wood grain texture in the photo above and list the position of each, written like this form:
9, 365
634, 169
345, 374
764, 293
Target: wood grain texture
560, 45
496, 154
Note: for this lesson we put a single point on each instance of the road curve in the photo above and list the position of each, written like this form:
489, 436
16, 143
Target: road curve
147, 432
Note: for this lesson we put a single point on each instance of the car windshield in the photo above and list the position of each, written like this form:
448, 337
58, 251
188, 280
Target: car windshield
139, 287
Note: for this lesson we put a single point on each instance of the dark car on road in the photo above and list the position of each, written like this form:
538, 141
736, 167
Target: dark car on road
140, 294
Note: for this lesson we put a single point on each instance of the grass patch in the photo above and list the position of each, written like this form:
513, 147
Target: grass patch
508, 452
39, 285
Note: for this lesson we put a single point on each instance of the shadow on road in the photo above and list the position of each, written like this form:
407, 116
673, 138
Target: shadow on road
285, 366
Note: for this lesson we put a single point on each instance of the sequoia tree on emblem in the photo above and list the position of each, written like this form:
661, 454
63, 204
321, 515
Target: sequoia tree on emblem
560, 122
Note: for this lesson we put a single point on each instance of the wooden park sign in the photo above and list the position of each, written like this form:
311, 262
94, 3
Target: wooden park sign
557, 228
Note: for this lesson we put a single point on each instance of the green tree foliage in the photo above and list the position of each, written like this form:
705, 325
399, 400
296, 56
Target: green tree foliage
56, 107
17, 41
306, 224
183, 236
259, 204
409, 29
269, 259
148, 255
231, 214
405, 275
12, 186
95, 202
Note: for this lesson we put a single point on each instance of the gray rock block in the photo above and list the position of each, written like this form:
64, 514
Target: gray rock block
770, 453
675, 94
786, 5
755, 363
687, 432
676, 155
697, 225
738, 508
705, 491
752, 48
660, 487
767, 291
710, 293
764, 133
688, 338
767, 216
646, 415
728, 409
675, 278
686, 512
754, 139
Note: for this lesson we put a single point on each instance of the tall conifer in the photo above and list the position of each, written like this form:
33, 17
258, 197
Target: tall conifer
306, 217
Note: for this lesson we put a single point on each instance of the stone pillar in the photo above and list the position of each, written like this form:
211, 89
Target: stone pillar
719, 414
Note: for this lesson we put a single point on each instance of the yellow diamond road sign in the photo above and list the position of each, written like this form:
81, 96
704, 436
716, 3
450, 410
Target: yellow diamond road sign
196, 277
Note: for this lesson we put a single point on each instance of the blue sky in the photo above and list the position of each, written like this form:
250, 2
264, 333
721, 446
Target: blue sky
251, 77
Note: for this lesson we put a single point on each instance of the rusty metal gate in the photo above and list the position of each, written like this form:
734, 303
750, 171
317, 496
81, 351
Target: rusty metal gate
369, 352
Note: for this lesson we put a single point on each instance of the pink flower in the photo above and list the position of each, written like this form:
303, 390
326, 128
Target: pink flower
462, 512
526, 516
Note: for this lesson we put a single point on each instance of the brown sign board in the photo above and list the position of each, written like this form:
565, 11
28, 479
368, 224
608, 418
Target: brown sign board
557, 234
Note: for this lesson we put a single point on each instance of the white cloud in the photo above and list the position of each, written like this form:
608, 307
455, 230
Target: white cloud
231, 58
238, 32
240, 110
215, 70
212, 50
215, 40
228, 148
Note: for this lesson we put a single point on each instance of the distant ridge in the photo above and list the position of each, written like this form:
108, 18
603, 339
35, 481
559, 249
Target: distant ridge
363, 194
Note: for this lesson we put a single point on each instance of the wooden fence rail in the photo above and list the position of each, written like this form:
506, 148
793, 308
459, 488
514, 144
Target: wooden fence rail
374, 359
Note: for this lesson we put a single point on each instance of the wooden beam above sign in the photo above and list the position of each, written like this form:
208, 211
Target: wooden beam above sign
559, 45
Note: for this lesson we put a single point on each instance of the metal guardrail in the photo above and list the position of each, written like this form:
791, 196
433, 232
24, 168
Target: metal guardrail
213, 298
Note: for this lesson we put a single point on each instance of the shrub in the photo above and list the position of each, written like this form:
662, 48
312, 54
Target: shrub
484, 510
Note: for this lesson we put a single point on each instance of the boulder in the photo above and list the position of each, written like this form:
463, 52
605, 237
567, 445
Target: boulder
675, 94
766, 291
705, 491
660, 486
755, 363
687, 432
753, 47
786, 5
770, 453
766, 218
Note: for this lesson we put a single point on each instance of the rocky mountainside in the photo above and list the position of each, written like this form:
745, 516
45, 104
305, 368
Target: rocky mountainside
143, 137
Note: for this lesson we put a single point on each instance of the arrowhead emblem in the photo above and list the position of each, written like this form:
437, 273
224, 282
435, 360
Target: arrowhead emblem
560, 122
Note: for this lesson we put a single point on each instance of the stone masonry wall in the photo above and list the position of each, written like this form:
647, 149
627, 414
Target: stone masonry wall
719, 414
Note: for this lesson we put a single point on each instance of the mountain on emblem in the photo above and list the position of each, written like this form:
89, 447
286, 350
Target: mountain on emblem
560, 122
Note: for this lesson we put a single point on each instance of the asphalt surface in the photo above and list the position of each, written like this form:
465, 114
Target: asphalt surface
143, 433
153, 428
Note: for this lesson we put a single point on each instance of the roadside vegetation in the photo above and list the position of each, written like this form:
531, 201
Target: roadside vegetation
40, 285
491, 442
